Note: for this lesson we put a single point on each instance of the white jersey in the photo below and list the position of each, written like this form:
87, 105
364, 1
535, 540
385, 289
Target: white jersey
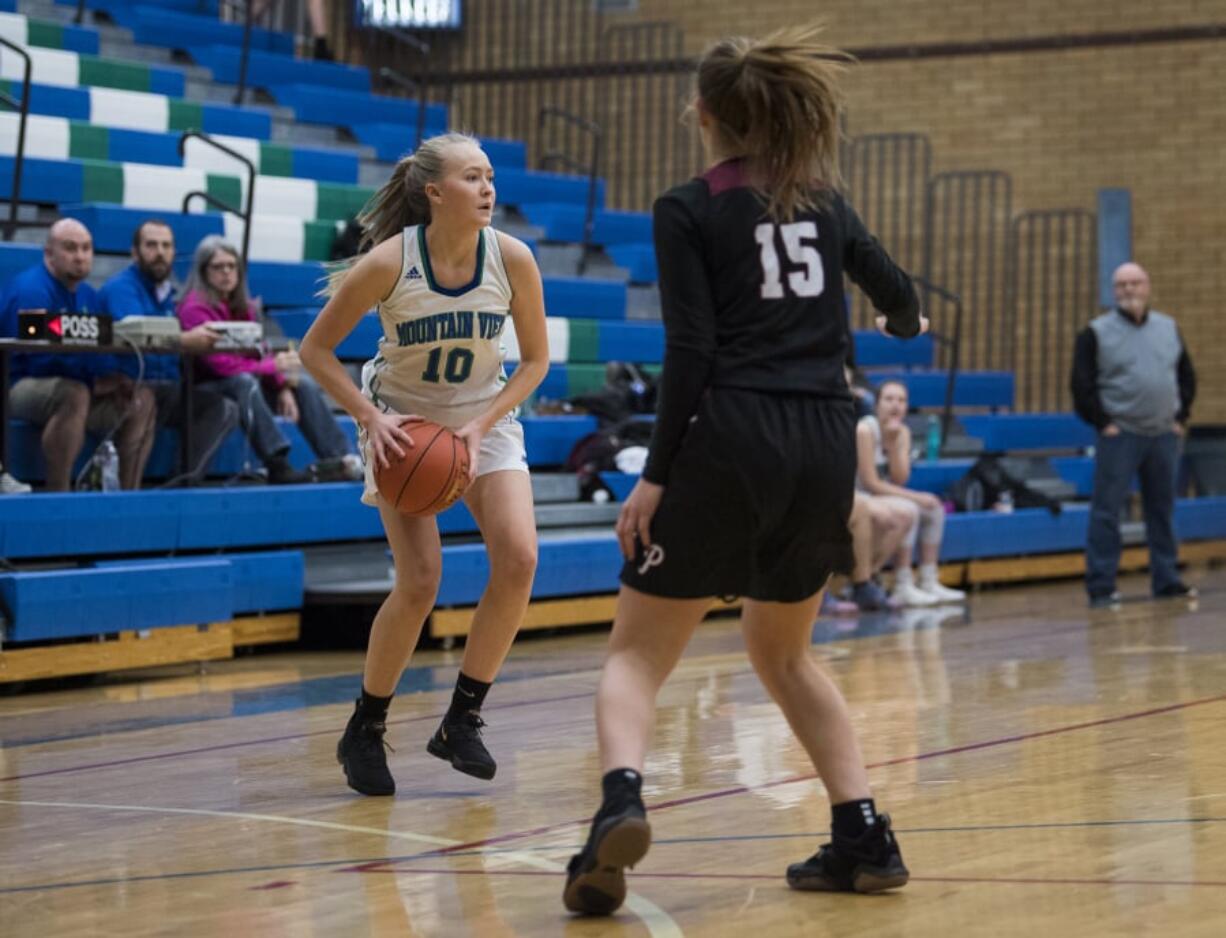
441, 355
879, 457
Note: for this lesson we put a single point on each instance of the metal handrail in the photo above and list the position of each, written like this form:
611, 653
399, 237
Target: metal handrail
19, 156
241, 91
422, 85
251, 174
414, 87
556, 156
954, 343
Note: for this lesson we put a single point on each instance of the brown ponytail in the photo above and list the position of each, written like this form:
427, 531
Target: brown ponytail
776, 103
401, 201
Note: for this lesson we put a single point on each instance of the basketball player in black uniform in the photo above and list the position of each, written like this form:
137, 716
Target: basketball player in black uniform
750, 477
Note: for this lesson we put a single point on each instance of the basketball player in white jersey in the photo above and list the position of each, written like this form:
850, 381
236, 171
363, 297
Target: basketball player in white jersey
444, 283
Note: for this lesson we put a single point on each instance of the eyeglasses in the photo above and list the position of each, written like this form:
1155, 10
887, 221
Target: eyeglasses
223, 265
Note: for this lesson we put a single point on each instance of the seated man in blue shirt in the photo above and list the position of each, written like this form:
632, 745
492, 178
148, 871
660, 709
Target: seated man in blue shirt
67, 394
145, 288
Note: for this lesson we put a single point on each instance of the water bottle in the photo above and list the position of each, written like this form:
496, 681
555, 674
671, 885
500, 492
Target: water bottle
108, 464
102, 472
934, 438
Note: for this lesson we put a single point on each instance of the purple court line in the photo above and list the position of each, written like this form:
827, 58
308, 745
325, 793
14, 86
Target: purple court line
936, 753
221, 747
1004, 880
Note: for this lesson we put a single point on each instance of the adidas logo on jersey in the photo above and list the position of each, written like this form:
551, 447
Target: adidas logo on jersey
413, 274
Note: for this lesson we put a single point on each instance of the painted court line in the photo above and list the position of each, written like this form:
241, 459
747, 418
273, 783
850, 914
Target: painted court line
936, 753
1003, 880
222, 747
832, 639
657, 922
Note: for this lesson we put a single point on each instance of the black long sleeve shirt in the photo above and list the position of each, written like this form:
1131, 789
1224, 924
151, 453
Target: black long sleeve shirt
751, 303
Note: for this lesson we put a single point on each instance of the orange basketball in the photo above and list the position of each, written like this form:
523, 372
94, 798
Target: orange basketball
432, 475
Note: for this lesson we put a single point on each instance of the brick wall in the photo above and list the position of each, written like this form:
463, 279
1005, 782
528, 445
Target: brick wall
1150, 118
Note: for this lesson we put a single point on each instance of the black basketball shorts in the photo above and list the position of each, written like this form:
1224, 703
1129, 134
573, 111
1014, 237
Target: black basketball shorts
757, 500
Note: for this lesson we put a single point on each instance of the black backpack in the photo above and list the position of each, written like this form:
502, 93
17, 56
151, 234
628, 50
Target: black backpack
628, 390
597, 451
984, 483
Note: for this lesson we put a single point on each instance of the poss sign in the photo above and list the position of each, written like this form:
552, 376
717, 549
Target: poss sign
37, 325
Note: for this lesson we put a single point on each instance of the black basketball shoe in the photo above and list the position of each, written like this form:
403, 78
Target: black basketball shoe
458, 741
595, 877
361, 754
871, 862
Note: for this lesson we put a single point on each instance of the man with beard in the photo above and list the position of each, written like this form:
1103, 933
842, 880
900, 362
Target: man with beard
145, 288
65, 394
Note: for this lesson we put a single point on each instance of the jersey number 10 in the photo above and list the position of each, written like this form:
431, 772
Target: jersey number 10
797, 241
459, 365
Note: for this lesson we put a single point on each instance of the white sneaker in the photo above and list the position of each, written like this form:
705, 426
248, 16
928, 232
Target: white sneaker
353, 467
11, 486
908, 594
943, 594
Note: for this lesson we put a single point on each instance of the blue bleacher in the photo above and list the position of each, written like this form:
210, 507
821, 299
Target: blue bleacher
81, 39
359, 345
590, 563
325, 165
563, 221
162, 149
54, 604
14, 258
316, 105
584, 297
874, 350
74, 104
186, 26
266, 69
927, 475
641, 342
571, 565
1078, 471
393, 140
262, 581
971, 388
522, 187
296, 285
200, 7
549, 440
1005, 432
276, 283
44, 180
112, 226
638, 259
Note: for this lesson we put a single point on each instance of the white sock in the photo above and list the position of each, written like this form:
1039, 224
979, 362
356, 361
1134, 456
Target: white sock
928, 575
902, 577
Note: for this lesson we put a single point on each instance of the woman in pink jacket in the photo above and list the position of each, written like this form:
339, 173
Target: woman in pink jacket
216, 290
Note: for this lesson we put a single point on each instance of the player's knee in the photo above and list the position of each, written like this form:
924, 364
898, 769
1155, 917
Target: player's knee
74, 399
775, 663
906, 516
144, 404
244, 382
419, 582
516, 564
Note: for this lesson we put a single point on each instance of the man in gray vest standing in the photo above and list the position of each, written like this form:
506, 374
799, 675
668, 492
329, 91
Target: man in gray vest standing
1133, 381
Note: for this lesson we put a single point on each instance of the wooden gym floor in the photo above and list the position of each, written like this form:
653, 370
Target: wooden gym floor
1051, 771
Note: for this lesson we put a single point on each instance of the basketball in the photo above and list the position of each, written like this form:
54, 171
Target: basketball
432, 475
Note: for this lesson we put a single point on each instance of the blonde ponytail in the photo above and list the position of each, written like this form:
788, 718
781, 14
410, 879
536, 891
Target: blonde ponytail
401, 201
